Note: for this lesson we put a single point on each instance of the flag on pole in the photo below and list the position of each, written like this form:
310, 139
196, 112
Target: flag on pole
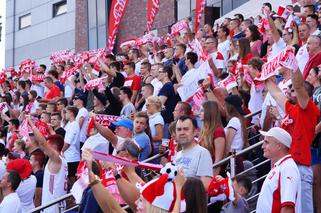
152, 9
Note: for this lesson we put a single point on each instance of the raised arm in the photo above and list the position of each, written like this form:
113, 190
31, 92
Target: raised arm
276, 93
106, 133
48, 150
274, 30
298, 85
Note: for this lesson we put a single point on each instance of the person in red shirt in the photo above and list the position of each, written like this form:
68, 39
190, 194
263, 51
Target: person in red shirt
132, 80
53, 91
300, 121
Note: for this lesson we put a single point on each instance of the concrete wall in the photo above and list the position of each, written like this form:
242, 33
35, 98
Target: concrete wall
45, 35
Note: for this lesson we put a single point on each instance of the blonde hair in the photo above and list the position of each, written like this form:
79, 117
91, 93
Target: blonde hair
155, 100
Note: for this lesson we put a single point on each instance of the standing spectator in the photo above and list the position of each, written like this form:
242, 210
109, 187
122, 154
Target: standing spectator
212, 133
182, 108
71, 148
157, 84
215, 58
27, 187
9, 184
312, 21
234, 28
82, 117
2, 164
281, 190
56, 169
302, 55
194, 159
132, 80
235, 131
37, 161
147, 91
223, 43
54, 75
142, 135
180, 55
253, 35
133, 56
168, 53
167, 97
53, 91
290, 37
208, 30
12, 134
156, 121
100, 102
125, 97
314, 50
55, 124
300, 120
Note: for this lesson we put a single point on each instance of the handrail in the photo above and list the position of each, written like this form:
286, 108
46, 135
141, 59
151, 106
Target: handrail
237, 154
64, 197
253, 167
252, 114
55, 201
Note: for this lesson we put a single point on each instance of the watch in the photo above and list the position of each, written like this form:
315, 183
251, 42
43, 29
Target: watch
95, 181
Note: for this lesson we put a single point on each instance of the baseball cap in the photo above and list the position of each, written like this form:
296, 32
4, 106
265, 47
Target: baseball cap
236, 101
279, 134
125, 122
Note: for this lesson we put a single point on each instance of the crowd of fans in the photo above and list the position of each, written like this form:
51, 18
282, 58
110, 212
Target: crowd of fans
50, 131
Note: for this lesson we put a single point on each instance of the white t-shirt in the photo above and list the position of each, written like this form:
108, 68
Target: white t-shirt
83, 112
224, 48
153, 121
39, 89
54, 186
2, 168
96, 143
276, 48
237, 143
26, 191
282, 186
157, 84
302, 56
269, 100
68, 89
11, 203
255, 102
72, 154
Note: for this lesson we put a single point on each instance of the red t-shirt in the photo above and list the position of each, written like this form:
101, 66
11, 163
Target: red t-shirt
133, 82
52, 92
301, 125
218, 133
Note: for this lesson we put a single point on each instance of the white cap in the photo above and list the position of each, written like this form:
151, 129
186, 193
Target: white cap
279, 134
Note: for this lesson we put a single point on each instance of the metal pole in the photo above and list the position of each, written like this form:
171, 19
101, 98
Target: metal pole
232, 162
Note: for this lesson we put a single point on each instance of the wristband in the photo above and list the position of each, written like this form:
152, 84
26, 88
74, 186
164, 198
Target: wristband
117, 176
95, 181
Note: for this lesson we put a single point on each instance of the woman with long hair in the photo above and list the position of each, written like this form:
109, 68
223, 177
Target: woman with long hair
235, 131
290, 37
244, 50
212, 134
233, 52
253, 35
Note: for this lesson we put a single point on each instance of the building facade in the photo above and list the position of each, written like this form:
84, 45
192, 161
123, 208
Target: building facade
37, 28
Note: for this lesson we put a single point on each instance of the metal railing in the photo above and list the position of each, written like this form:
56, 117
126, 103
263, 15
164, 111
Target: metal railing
224, 161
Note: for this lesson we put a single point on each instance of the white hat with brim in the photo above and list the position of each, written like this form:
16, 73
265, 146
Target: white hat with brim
279, 134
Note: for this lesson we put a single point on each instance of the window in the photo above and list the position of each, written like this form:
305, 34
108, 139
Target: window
59, 8
24, 21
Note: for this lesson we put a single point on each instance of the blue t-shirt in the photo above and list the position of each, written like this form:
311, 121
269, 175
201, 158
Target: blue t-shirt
168, 91
144, 142
182, 66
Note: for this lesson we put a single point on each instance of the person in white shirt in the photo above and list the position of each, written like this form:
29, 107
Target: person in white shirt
302, 55
312, 21
82, 116
124, 129
256, 99
56, 169
9, 183
71, 149
157, 84
223, 43
281, 190
27, 187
